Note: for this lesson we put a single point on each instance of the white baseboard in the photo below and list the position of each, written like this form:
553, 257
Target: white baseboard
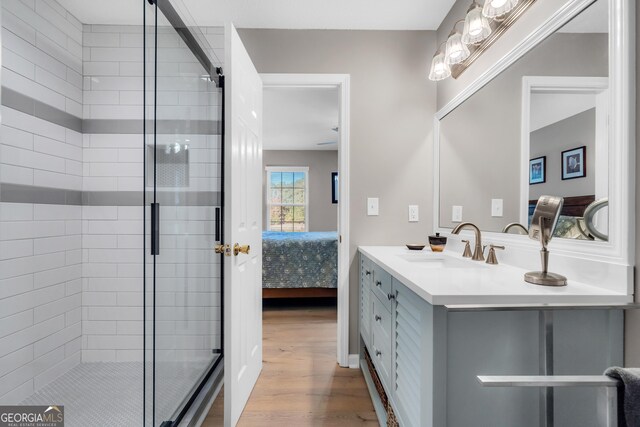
354, 361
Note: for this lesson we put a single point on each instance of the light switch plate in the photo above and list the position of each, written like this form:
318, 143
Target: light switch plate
456, 214
496, 207
414, 213
372, 206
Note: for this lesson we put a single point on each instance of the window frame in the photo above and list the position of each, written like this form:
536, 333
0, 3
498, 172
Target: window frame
269, 170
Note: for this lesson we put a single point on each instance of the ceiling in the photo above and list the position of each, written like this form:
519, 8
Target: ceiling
300, 118
290, 14
550, 108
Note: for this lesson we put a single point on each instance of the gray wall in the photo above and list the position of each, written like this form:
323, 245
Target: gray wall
491, 131
551, 141
392, 108
323, 215
535, 16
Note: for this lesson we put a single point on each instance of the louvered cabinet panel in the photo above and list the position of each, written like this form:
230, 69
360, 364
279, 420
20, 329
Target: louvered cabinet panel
407, 355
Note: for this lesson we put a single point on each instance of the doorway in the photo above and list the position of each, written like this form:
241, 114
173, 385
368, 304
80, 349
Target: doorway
324, 85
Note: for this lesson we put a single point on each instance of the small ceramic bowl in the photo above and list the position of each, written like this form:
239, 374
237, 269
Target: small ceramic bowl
415, 246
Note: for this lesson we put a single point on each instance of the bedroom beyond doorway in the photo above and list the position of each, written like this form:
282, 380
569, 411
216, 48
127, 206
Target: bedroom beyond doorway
300, 221
305, 198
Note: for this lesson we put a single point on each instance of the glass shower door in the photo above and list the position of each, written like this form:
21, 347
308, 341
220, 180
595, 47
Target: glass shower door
184, 194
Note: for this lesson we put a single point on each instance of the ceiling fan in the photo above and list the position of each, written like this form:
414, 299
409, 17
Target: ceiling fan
335, 129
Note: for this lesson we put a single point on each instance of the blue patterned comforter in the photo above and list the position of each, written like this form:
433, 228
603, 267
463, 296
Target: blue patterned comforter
299, 260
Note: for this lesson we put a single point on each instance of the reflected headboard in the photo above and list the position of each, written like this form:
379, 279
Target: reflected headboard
573, 206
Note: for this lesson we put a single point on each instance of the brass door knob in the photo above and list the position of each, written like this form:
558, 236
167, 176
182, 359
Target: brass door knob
237, 249
222, 249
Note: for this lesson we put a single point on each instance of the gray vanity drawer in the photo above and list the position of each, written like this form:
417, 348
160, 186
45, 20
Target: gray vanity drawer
381, 286
381, 317
381, 323
366, 270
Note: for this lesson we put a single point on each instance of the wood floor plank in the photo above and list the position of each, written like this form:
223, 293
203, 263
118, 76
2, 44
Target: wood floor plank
300, 383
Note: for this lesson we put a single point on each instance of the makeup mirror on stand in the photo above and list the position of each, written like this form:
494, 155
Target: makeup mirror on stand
544, 220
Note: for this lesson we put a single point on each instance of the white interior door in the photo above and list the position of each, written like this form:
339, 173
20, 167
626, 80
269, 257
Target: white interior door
243, 226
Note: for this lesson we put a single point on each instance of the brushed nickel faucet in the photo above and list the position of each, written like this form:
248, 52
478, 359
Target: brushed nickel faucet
515, 225
478, 254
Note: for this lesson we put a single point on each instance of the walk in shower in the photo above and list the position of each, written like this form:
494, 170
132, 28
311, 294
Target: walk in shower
110, 196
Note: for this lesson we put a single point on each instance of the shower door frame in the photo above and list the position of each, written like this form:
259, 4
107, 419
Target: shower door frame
216, 75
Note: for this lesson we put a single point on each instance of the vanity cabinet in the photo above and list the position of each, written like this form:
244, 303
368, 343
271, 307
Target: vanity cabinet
391, 321
427, 357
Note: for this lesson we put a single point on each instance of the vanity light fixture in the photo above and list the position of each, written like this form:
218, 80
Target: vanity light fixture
456, 51
476, 25
483, 25
440, 70
497, 8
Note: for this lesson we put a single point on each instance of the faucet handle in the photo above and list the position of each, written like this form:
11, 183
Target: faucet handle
467, 249
491, 258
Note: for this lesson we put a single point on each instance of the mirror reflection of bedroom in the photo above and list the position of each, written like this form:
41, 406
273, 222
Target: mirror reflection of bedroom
300, 205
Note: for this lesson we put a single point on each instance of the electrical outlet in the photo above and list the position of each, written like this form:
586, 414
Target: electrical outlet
413, 213
372, 206
456, 214
496, 207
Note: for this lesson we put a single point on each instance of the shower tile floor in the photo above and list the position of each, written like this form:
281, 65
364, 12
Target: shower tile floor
110, 393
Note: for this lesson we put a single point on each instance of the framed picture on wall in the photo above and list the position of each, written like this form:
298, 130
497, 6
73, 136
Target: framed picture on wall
574, 163
334, 187
538, 170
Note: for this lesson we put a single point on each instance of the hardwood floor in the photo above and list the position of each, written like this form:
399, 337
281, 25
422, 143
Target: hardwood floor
301, 384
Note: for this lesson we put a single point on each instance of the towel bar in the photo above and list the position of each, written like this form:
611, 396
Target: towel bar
548, 381
607, 408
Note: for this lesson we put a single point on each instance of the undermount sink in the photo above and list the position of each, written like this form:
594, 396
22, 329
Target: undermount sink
430, 260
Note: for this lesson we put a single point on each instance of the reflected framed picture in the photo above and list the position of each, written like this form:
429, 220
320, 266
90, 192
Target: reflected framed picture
538, 170
334, 187
574, 163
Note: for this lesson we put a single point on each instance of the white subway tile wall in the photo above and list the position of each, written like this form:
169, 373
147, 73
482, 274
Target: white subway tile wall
40, 245
71, 277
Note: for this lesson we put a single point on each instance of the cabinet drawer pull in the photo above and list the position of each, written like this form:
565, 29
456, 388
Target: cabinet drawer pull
391, 296
378, 283
378, 318
367, 272
378, 353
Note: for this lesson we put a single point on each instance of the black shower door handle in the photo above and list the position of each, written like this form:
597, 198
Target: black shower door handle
155, 228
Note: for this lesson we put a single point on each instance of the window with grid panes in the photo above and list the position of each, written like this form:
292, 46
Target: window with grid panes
287, 198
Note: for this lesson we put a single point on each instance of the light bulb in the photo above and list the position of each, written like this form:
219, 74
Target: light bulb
496, 8
476, 26
439, 68
456, 50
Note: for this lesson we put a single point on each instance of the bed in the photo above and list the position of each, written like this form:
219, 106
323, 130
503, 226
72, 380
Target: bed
298, 265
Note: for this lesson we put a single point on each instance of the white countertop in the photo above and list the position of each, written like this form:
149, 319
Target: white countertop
449, 279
